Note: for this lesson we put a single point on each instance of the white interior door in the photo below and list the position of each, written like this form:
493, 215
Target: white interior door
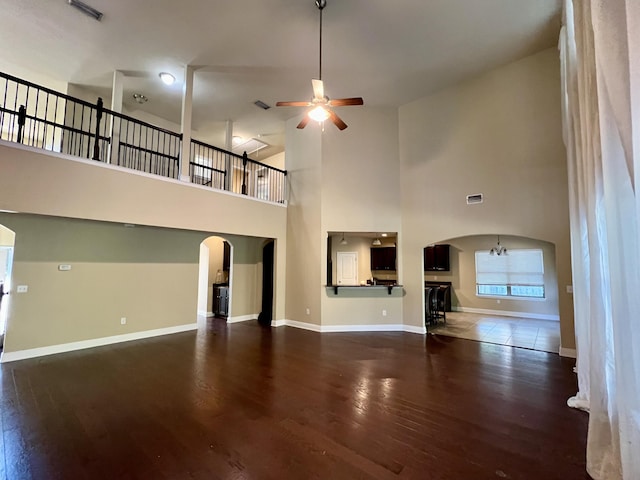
347, 268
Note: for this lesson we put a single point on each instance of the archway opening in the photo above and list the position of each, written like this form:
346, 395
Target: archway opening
495, 289
215, 278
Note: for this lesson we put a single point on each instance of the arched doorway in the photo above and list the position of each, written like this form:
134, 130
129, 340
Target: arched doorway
7, 242
499, 289
215, 278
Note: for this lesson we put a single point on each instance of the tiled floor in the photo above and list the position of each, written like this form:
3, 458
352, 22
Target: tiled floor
517, 332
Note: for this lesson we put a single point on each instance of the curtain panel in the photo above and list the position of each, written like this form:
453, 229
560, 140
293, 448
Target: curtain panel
600, 60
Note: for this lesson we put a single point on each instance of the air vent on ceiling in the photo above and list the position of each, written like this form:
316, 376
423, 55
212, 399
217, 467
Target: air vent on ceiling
262, 105
86, 9
475, 198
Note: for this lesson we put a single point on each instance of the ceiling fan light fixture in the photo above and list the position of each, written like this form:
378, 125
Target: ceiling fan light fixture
319, 114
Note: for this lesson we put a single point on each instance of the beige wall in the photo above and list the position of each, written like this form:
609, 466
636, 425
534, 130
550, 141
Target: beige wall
340, 181
56, 185
145, 274
462, 276
305, 261
499, 135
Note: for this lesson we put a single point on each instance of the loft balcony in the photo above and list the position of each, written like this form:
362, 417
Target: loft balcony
42, 118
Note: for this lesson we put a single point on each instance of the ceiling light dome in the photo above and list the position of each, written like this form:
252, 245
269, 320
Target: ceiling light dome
167, 78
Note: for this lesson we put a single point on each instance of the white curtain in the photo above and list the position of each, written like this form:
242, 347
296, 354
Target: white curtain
600, 55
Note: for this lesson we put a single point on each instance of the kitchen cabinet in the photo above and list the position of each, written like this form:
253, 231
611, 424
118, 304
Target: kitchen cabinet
220, 307
383, 258
436, 258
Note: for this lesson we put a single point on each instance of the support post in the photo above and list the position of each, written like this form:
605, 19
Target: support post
96, 139
187, 109
117, 92
22, 119
244, 173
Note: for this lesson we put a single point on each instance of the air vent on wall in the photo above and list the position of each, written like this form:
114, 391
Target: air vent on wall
475, 198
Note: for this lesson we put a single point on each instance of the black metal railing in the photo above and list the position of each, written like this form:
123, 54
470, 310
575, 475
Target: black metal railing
141, 146
224, 170
37, 116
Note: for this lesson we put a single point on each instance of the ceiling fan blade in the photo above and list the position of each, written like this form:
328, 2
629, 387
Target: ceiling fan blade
337, 120
292, 104
318, 88
303, 122
343, 102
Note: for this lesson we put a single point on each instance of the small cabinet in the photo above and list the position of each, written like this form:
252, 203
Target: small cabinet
436, 258
383, 258
220, 307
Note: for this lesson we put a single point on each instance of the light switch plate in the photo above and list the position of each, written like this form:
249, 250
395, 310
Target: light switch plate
22, 288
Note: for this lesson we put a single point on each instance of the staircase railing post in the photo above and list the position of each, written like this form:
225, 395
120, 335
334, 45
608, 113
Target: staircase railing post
244, 173
22, 119
96, 141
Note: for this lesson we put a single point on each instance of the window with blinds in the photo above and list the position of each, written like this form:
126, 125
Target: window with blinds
520, 273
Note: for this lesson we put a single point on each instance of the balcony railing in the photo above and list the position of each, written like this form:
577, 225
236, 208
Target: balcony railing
43, 118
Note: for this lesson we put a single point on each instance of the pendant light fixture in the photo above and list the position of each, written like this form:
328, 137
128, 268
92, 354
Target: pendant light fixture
498, 249
344, 240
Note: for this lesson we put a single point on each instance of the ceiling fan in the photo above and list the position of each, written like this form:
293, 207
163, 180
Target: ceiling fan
320, 105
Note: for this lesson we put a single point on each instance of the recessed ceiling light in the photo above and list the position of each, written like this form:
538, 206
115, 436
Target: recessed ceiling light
167, 78
140, 98
383, 234
237, 140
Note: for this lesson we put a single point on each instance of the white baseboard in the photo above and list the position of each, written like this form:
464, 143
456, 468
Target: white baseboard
242, 318
393, 327
96, 342
505, 313
202, 313
568, 352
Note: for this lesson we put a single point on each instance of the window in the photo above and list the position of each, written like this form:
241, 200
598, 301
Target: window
518, 274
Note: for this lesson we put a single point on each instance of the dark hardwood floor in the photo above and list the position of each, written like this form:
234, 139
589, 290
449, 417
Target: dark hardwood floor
243, 402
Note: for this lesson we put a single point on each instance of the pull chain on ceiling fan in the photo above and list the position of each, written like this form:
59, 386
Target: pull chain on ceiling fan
321, 105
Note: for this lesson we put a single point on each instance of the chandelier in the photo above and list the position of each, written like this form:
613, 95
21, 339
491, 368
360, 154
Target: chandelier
498, 249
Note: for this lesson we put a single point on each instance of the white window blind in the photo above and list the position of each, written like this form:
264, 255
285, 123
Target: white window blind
519, 273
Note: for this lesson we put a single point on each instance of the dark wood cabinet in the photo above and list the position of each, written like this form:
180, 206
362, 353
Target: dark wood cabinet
383, 258
436, 258
220, 307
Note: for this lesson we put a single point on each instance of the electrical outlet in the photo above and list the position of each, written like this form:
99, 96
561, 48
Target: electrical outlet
22, 288
384, 313
308, 312
123, 321
569, 288
498, 301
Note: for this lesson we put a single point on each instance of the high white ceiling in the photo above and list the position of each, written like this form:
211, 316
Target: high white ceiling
388, 52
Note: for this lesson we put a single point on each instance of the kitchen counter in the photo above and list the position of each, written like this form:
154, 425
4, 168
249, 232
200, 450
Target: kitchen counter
389, 288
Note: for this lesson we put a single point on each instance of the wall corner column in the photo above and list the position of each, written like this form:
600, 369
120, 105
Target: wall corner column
187, 108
